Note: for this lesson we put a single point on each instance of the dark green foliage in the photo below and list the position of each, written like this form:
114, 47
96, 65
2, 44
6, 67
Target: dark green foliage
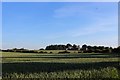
61, 70
50, 52
116, 50
75, 47
93, 74
41, 49
68, 45
84, 49
62, 47
41, 52
56, 47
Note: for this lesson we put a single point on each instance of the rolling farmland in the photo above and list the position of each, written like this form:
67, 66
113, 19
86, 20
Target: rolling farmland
54, 65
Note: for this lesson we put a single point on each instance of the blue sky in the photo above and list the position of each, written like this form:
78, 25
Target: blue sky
36, 25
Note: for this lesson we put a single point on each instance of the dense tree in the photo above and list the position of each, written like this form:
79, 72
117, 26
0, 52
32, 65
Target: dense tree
84, 47
116, 50
68, 46
89, 47
75, 47
101, 47
41, 49
56, 47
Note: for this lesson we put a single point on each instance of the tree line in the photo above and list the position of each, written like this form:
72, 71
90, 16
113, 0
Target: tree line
63, 47
84, 49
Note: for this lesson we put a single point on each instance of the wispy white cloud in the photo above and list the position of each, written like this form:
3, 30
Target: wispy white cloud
109, 25
102, 22
81, 10
67, 11
105, 25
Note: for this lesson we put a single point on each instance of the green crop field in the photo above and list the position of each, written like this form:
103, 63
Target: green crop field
67, 65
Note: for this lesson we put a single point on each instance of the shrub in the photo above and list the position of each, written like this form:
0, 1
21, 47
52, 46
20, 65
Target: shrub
41, 52
51, 52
